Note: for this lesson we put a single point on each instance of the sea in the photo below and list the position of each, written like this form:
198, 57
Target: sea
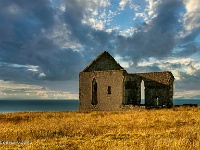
7, 106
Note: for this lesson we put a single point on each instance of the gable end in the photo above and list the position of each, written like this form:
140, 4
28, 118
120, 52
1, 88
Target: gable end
103, 62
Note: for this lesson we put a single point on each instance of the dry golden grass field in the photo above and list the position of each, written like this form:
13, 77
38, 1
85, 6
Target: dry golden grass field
175, 129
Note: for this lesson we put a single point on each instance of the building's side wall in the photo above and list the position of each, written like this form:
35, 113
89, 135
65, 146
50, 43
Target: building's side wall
158, 88
171, 90
132, 90
156, 95
106, 101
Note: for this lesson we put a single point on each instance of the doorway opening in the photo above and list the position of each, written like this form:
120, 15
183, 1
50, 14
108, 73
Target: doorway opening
142, 92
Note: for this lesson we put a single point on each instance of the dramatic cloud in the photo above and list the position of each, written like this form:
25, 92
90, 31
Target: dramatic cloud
51, 41
88, 37
26, 42
157, 38
191, 17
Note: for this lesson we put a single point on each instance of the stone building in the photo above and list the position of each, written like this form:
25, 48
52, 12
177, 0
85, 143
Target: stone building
105, 85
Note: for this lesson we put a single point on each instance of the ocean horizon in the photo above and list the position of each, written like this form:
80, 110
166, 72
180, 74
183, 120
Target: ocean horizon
24, 105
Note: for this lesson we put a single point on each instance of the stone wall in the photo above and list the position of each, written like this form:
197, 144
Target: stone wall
132, 89
158, 89
159, 77
157, 95
113, 79
125, 89
105, 85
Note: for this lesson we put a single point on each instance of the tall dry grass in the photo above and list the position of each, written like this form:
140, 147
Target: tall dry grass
177, 128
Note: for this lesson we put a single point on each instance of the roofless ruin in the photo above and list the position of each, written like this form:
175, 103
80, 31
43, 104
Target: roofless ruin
105, 85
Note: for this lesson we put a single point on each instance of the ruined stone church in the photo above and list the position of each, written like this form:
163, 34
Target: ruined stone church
105, 85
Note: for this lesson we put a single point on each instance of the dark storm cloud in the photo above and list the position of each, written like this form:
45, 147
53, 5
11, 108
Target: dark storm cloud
56, 63
156, 39
191, 36
23, 41
188, 50
26, 25
18, 74
189, 81
189, 45
21, 22
93, 40
22, 19
148, 68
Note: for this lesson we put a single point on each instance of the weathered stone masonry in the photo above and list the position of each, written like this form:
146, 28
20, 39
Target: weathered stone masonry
105, 85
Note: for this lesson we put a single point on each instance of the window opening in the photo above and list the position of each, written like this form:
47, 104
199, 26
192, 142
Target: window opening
142, 92
156, 101
109, 89
94, 92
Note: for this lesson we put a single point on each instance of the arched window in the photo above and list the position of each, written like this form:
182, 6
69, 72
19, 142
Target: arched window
94, 92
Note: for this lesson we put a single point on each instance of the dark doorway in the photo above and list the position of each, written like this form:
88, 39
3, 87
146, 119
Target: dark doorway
94, 92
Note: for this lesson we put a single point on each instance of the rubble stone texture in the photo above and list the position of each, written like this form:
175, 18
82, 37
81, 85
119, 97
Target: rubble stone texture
105, 85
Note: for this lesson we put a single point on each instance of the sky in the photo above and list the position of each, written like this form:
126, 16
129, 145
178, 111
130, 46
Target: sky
44, 44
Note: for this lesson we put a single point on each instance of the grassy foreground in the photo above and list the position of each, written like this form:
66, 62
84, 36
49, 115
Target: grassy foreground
177, 128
